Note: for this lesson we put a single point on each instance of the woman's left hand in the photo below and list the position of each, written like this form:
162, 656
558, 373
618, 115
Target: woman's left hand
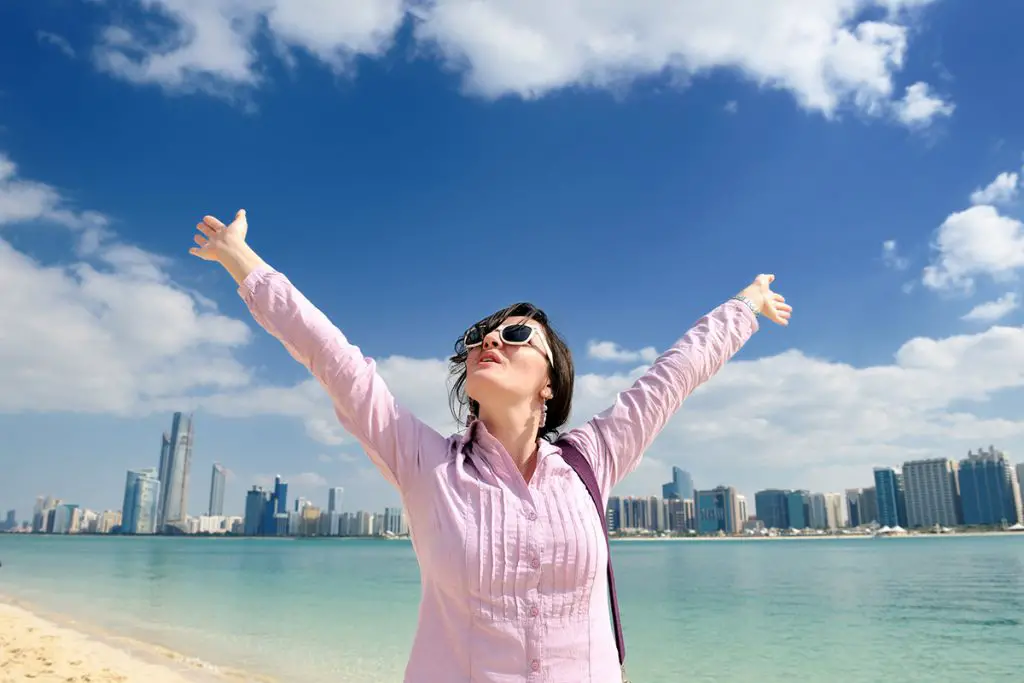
771, 305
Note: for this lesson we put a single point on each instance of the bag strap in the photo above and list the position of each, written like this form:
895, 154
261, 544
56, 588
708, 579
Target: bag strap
574, 459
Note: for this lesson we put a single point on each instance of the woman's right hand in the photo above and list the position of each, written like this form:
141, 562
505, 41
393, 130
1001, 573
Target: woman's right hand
218, 239
226, 245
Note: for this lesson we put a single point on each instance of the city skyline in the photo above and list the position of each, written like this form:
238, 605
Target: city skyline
982, 489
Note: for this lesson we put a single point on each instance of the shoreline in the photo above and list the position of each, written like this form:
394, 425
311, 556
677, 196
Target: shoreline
38, 645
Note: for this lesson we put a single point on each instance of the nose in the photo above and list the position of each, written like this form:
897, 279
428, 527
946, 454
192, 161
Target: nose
492, 340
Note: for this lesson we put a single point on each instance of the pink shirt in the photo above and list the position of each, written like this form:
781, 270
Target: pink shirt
513, 574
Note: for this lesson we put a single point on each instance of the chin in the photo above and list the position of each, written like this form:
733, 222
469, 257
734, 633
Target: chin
487, 390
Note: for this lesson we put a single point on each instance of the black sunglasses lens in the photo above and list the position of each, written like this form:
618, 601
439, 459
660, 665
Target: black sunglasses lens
516, 334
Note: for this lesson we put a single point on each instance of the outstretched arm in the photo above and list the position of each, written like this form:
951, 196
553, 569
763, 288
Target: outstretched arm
616, 439
395, 440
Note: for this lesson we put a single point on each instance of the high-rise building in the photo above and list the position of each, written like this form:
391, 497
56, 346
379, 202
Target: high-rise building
175, 462
853, 506
771, 508
280, 495
798, 509
392, 522
890, 498
718, 510
817, 515
10, 522
218, 480
741, 502
141, 501
932, 492
834, 517
869, 505
613, 513
989, 491
681, 486
334, 499
255, 511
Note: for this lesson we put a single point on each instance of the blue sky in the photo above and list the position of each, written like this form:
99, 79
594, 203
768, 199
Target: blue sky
412, 168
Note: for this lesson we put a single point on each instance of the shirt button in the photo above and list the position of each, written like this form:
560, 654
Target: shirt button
535, 563
534, 611
535, 665
531, 515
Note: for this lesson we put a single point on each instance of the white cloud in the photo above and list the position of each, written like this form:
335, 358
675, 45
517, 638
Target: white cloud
990, 311
108, 333
56, 41
919, 107
1002, 190
210, 47
891, 256
976, 241
610, 351
824, 53
732, 106
23, 200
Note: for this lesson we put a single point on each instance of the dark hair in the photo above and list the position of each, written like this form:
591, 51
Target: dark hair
562, 372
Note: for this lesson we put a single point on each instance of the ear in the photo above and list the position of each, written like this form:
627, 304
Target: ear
546, 393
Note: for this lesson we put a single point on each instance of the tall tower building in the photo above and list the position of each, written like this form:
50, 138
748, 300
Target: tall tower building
141, 501
175, 461
771, 507
989, 491
218, 479
834, 517
932, 492
334, 497
681, 486
890, 497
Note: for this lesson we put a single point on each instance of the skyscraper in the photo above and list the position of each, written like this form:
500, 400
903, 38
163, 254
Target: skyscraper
681, 486
217, 481
869, 505
255, 511
334, 497
798, 509
890, 498
932, 492
175, 461
771, 508
853, 506
280, 495
717, 510
989, 494
141, 500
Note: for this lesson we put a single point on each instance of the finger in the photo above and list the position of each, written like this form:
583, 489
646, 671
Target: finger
778, 297
239, 217
213, 223
201, 241
784, 307
205, 229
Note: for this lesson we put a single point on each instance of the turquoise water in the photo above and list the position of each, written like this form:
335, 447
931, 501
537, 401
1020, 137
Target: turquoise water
948, 610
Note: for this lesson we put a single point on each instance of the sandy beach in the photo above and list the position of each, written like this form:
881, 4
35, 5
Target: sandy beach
35, 649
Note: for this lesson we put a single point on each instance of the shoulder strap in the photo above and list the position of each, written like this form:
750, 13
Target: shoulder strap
581, 465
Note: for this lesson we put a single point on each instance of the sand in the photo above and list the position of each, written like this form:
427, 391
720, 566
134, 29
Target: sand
35, 649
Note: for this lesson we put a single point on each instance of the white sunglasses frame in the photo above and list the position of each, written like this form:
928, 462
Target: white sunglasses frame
537, 332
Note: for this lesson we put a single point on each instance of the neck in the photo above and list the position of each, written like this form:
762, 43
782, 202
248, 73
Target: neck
516, 428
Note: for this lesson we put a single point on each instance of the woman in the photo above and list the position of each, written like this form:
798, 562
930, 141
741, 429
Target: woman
511, 551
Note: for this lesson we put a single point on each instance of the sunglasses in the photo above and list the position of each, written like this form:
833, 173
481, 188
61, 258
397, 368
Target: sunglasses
515, 334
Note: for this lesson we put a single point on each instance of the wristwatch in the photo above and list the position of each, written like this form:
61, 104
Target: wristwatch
749, 304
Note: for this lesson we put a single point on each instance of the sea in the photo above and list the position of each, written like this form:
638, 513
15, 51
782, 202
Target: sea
884, 610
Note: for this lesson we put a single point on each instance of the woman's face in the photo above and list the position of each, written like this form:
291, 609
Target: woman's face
500, 371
